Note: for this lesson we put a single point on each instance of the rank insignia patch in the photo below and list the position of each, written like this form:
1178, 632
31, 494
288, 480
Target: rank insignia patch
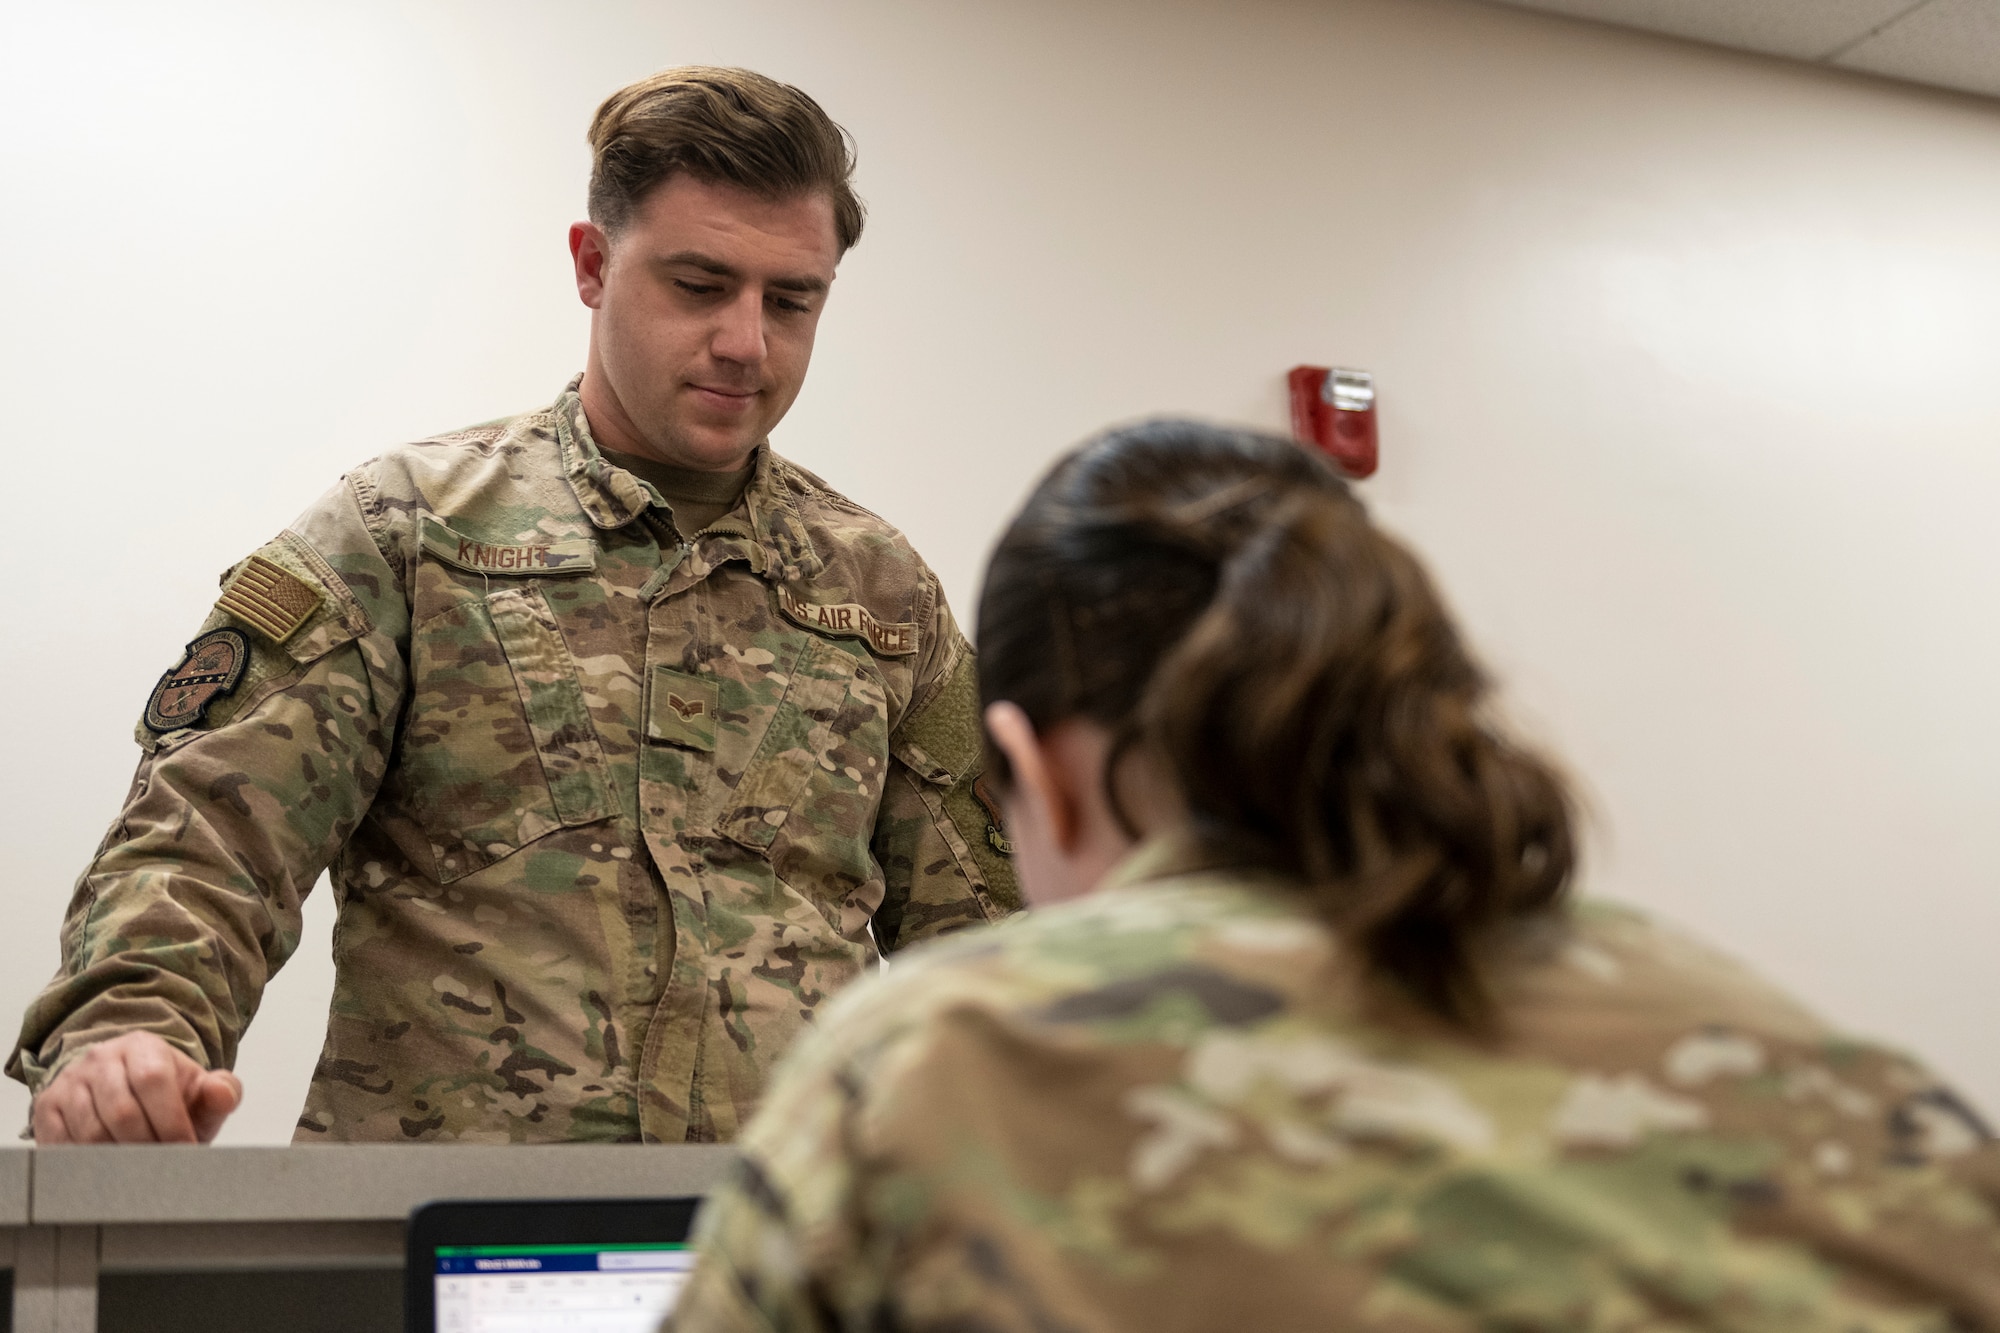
268, 598
682, 710
212, 670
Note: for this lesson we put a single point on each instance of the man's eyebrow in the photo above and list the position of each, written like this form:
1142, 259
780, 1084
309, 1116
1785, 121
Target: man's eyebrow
695, 259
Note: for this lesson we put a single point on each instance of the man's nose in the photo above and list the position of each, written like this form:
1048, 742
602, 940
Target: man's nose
740, 334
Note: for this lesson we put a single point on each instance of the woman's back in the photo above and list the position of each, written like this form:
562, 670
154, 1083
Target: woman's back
1165, 1107
1172, 1101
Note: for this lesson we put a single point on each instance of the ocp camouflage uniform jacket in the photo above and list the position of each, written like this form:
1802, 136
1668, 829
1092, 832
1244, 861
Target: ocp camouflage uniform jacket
609, 813
1164, 1107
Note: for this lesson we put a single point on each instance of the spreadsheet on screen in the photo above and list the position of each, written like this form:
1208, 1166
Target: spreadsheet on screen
557, 1288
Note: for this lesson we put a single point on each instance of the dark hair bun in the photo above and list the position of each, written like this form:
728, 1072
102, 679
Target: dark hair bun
1221, 598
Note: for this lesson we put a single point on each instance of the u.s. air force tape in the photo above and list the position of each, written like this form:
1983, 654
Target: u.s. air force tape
850, 619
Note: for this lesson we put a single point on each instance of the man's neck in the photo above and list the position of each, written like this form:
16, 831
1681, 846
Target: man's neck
612, 429
605, 415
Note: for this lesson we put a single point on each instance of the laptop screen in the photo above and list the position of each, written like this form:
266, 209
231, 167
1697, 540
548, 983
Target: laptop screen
581, 1266
590, 1288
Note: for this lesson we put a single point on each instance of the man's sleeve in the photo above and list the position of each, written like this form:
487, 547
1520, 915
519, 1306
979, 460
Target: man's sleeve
264, 744
938, 836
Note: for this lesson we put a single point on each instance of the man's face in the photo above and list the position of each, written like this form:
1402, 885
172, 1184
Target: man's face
706, 302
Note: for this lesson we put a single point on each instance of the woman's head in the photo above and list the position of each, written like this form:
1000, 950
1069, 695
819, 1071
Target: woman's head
1215, 606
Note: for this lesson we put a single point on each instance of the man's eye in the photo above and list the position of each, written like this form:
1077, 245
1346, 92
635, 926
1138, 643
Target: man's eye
790, 306
698, 289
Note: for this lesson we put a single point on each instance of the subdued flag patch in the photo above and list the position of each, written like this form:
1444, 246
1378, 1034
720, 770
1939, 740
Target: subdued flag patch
211, 670
996, 823
269, 599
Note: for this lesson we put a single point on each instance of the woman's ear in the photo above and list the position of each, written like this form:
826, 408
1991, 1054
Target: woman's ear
1066, 836
1038, 805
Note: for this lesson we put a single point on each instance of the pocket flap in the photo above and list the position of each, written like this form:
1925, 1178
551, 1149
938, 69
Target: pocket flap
793, 748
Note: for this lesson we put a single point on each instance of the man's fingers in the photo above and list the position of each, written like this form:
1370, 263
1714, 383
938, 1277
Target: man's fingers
153, 1073
217, 1094
48, 1121
79, 1115
135, 1089
117, 1109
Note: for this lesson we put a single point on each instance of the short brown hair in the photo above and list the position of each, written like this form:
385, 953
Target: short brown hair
1220, 598
718, 124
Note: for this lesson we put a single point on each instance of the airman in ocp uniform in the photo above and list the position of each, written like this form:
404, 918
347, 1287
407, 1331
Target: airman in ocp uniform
628, 742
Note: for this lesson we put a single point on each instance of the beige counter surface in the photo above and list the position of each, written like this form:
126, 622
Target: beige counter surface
14, 1168
337, 1182
69, 1214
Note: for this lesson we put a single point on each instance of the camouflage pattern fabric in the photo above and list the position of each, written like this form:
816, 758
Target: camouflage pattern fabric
609, 811
1166, 1107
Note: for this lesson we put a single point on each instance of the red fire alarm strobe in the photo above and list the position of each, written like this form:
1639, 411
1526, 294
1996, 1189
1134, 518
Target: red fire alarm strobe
1333, 410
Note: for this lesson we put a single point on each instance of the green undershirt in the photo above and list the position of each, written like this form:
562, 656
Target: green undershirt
697, 498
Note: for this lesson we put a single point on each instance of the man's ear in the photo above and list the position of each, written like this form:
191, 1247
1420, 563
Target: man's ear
1039, 796
590, 251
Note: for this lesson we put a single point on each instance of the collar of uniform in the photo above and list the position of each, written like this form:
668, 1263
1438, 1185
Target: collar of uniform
1163, 855
1175, 853
775, 519
611, 497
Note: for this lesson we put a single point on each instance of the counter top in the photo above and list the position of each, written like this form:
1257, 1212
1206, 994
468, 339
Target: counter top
331, 1182
14, 1169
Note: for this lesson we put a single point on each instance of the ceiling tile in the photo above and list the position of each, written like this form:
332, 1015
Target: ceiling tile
1951, 43
1801, 29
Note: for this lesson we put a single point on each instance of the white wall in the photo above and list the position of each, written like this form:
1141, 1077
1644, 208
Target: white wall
1686, 363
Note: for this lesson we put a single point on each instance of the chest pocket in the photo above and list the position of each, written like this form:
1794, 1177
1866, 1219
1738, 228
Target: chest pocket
818, 766
498, 748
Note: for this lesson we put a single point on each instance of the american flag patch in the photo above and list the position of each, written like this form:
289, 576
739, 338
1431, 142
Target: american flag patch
269, 599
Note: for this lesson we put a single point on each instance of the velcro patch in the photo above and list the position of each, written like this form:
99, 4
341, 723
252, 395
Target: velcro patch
211, 669
269, 599
682, 709
534, 558
850, 619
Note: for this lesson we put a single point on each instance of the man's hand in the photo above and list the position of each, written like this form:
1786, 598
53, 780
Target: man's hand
135, 1089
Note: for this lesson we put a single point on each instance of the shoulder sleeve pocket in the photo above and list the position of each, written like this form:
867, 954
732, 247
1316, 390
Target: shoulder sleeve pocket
281, 608
943, 743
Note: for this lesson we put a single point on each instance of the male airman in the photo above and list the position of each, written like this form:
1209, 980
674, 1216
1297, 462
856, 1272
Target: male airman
626, 740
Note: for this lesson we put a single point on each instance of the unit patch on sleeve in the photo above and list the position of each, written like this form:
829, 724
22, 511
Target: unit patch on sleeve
853, 620
211, 670
269, 599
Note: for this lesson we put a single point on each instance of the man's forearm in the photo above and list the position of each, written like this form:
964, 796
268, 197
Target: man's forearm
195, 898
